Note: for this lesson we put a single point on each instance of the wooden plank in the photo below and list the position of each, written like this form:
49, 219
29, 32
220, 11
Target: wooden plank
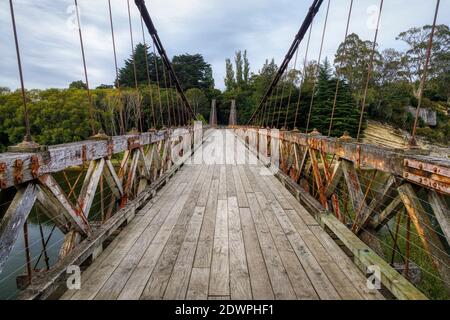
14, 219
98, 273
244, 179
304, 285
142, 272
331, 273
384, 216
157, 283
386, 192
43, 287
52, 189
354, 275
356, 195
203, 196
219, 282
231, 187
290, 219
179, 280
152, 219
441, 212
281, 284
198, 284
206, 239
51, 209
87, 193
223, 183
430, 240
240, 288
335, 179
259, 278
240, 191
112, 179
365, 257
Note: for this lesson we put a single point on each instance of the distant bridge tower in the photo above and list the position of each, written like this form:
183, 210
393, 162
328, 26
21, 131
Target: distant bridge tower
232, 121
213, 114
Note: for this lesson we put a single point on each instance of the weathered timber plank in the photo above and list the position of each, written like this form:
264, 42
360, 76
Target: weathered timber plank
206, 239
365, 257
259, 278
240, 191
281, 284
427, 234
219, 282
441, 212
294, 265
142, 271
102, 270
87, 193
378, 221
112, 179
14, 219
179, 280
198, 284
52, 189
157, 283
239, 276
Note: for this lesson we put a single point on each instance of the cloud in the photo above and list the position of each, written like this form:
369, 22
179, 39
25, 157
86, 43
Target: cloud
51, 53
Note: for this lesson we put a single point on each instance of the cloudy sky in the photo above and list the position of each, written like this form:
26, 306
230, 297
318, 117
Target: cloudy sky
51, 54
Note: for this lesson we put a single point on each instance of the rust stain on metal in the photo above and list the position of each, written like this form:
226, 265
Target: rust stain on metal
3, 184
84, 154
34, 166
18, 171
133, 143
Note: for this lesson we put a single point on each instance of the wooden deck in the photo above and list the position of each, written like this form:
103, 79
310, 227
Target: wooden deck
223, 231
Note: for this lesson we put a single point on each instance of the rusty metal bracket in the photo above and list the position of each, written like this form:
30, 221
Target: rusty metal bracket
84, 154
134, 143
18, 171
34, 166
110, 148
429, 175
3, 183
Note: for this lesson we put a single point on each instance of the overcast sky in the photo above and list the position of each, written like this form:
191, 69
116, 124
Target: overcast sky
51, 53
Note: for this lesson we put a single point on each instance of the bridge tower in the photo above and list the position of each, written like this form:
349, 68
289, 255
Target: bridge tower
232, 121
213, 114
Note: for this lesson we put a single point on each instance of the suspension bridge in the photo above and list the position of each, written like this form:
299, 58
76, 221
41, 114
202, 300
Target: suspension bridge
177, 209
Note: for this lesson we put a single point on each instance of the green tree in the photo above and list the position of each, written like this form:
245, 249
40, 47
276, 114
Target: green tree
230, 82
77, 85
193, 71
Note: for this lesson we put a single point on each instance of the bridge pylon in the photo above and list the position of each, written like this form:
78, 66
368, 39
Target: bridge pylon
232, 121
213, 114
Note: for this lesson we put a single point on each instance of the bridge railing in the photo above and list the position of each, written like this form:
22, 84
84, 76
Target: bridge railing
396, 201
79, 193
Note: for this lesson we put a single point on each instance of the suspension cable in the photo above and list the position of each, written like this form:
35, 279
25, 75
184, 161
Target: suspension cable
318, 66
369, 71
22, 85
297, 40
122, 124
91, 107
424, 76
290, 89
338, 78
303, 77
133, 54
148, 74
159, 85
